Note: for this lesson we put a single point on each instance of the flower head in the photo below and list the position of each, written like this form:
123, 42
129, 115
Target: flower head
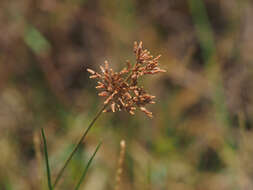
120, 89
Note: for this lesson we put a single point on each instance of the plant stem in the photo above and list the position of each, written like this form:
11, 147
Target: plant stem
46, 160
78, 145
87, 167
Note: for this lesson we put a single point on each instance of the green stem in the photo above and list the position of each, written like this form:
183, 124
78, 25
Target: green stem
77, 146
46, 159
87, 167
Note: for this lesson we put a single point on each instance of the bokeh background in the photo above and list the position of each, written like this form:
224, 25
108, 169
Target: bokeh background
201, 136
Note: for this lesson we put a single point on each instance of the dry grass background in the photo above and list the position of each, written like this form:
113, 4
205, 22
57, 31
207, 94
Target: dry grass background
201, 135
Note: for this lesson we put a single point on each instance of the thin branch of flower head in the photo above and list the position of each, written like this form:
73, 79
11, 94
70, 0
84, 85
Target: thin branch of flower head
121, 89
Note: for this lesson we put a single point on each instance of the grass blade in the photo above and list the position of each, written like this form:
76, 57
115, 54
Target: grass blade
77, 146
87, 167
46, 159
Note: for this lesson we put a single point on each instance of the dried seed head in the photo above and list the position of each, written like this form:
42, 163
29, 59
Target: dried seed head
121, 88
91, 71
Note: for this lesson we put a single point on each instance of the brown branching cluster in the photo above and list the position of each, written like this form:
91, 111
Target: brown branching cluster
121, 89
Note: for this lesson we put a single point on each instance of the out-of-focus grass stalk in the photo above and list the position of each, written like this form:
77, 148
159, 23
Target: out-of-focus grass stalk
205, 36
46, 160
38, 154
120, 164
203, 30
77, 146
87, 167
35, 40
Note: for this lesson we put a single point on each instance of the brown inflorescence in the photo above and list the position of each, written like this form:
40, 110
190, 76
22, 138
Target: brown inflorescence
121, 89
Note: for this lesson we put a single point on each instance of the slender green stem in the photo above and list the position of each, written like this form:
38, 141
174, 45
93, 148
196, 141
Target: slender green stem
77, 146
87, 167
46, 159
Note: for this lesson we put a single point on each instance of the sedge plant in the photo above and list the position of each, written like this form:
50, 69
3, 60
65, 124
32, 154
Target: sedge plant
121, 92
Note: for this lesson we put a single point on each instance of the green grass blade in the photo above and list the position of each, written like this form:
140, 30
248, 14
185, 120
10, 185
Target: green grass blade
78, 145
203, 29
87, 166
35, 40
46, 159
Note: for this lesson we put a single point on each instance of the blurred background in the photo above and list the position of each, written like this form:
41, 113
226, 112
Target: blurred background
201, 135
